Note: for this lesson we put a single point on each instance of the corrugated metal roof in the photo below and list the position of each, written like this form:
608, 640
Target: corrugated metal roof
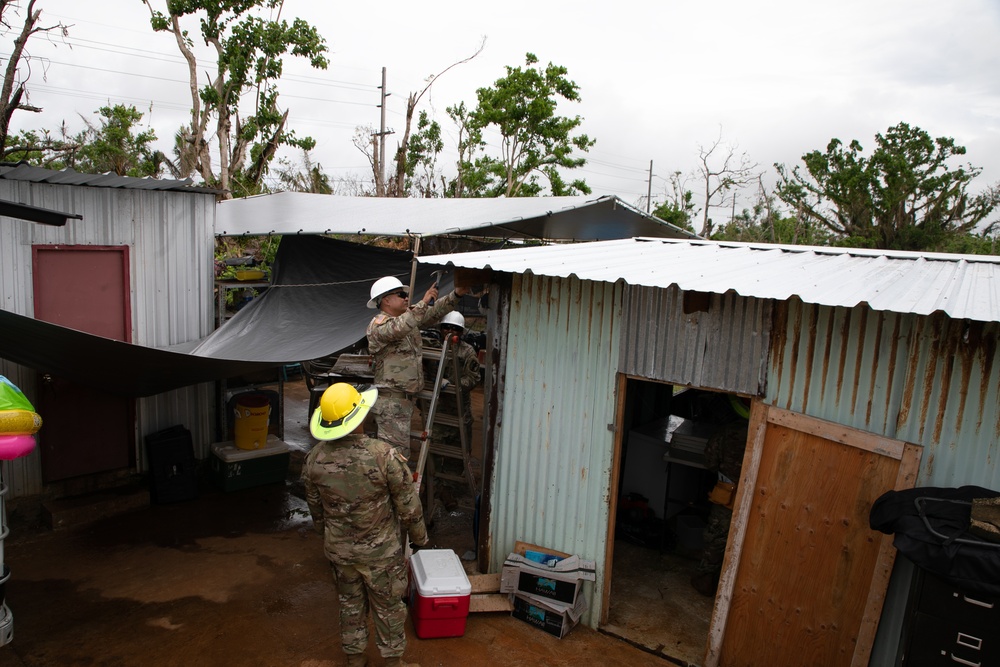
27, 172
581, 218
961, 286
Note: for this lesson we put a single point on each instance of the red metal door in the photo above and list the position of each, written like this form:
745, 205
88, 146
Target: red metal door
85, 431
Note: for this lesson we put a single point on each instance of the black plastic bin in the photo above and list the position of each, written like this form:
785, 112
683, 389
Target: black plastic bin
172, 466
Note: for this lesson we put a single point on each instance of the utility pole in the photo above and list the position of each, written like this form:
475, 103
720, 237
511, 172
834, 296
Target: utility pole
380, 189
649, 188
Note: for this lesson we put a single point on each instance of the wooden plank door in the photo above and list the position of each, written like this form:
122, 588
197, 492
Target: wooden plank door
804, 576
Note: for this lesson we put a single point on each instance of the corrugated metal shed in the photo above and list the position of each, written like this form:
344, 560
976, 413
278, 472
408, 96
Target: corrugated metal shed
169, 231
898, 344
962, 286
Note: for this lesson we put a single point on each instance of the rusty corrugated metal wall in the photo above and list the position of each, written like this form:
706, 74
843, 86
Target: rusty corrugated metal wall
722, 346
933, 381
930, 380
552, 470
171, 240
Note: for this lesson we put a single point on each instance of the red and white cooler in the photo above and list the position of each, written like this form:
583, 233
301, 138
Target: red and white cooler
439, 594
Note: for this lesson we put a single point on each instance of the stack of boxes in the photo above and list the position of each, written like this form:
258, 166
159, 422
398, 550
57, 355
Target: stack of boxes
547, 588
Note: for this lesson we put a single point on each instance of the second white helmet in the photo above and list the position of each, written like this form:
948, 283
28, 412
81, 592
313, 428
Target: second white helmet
455, 319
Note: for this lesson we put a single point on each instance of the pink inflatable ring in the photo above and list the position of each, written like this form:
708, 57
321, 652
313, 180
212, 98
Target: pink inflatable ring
14, 445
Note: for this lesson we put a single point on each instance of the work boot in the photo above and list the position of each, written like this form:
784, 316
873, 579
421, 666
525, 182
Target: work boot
398, 662
357, 660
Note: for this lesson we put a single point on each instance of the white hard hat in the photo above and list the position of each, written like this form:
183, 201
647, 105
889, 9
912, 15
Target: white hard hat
455, 319
381, 287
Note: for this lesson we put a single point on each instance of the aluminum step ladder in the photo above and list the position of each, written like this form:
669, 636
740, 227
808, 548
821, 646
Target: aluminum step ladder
431, 395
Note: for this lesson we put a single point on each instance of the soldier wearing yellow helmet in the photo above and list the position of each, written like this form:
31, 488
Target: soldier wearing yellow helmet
360, 491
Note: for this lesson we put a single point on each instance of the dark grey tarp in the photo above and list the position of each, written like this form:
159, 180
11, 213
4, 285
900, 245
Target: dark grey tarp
314, 307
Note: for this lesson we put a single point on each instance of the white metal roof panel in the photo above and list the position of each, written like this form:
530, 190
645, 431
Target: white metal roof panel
962, 286
581, 218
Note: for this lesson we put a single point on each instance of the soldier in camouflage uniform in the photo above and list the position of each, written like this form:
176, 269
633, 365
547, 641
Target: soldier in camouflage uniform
359, 490
394, 343
723, 454
453, 324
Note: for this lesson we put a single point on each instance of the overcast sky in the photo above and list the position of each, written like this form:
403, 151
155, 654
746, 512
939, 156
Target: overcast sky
658, 78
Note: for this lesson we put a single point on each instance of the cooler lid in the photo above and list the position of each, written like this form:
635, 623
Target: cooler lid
439, 572
229, 452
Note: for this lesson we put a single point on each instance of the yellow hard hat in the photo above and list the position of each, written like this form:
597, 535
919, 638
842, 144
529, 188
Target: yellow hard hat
341, 409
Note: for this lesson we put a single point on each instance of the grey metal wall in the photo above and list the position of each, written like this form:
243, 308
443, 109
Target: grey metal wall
552, 469
171, 239
721, 347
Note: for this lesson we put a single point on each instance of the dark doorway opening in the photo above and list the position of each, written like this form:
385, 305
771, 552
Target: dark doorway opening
664, 482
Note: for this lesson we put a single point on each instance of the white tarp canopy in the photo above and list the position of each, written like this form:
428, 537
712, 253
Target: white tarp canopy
583, 218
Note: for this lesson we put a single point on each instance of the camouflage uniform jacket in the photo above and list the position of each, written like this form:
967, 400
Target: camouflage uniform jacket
395, 344
468, 366
725, 448
468, 369
358, 491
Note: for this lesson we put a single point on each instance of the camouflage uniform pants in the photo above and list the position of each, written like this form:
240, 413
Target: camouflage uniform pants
393, 416
715, 535
380, 588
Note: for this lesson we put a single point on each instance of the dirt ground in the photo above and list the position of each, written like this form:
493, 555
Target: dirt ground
233, 578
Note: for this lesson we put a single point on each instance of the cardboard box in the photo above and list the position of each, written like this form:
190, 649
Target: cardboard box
555, 579
439, 594
549, 616
232, 468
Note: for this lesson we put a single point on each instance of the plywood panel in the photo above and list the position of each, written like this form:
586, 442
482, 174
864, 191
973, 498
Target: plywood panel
804, 575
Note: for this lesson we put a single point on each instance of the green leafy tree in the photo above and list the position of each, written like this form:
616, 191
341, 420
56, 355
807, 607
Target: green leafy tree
534, 141
424, 147
678, 209
764, 222
114, 147
473, 175
751, 226
44, 148
249, 51
904, 196
308, 176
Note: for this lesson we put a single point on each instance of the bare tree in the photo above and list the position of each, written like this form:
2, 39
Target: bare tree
14, 95
736, 171
395, 186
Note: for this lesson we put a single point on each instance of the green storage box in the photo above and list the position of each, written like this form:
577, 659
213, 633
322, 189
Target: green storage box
232, 468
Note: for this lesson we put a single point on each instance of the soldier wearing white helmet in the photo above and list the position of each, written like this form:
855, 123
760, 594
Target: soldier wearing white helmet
395, 345
453, 324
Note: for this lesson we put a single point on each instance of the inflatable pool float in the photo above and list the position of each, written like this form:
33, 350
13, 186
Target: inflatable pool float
18, 422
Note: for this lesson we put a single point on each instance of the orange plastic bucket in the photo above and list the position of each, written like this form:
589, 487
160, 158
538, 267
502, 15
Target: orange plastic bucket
252, 414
